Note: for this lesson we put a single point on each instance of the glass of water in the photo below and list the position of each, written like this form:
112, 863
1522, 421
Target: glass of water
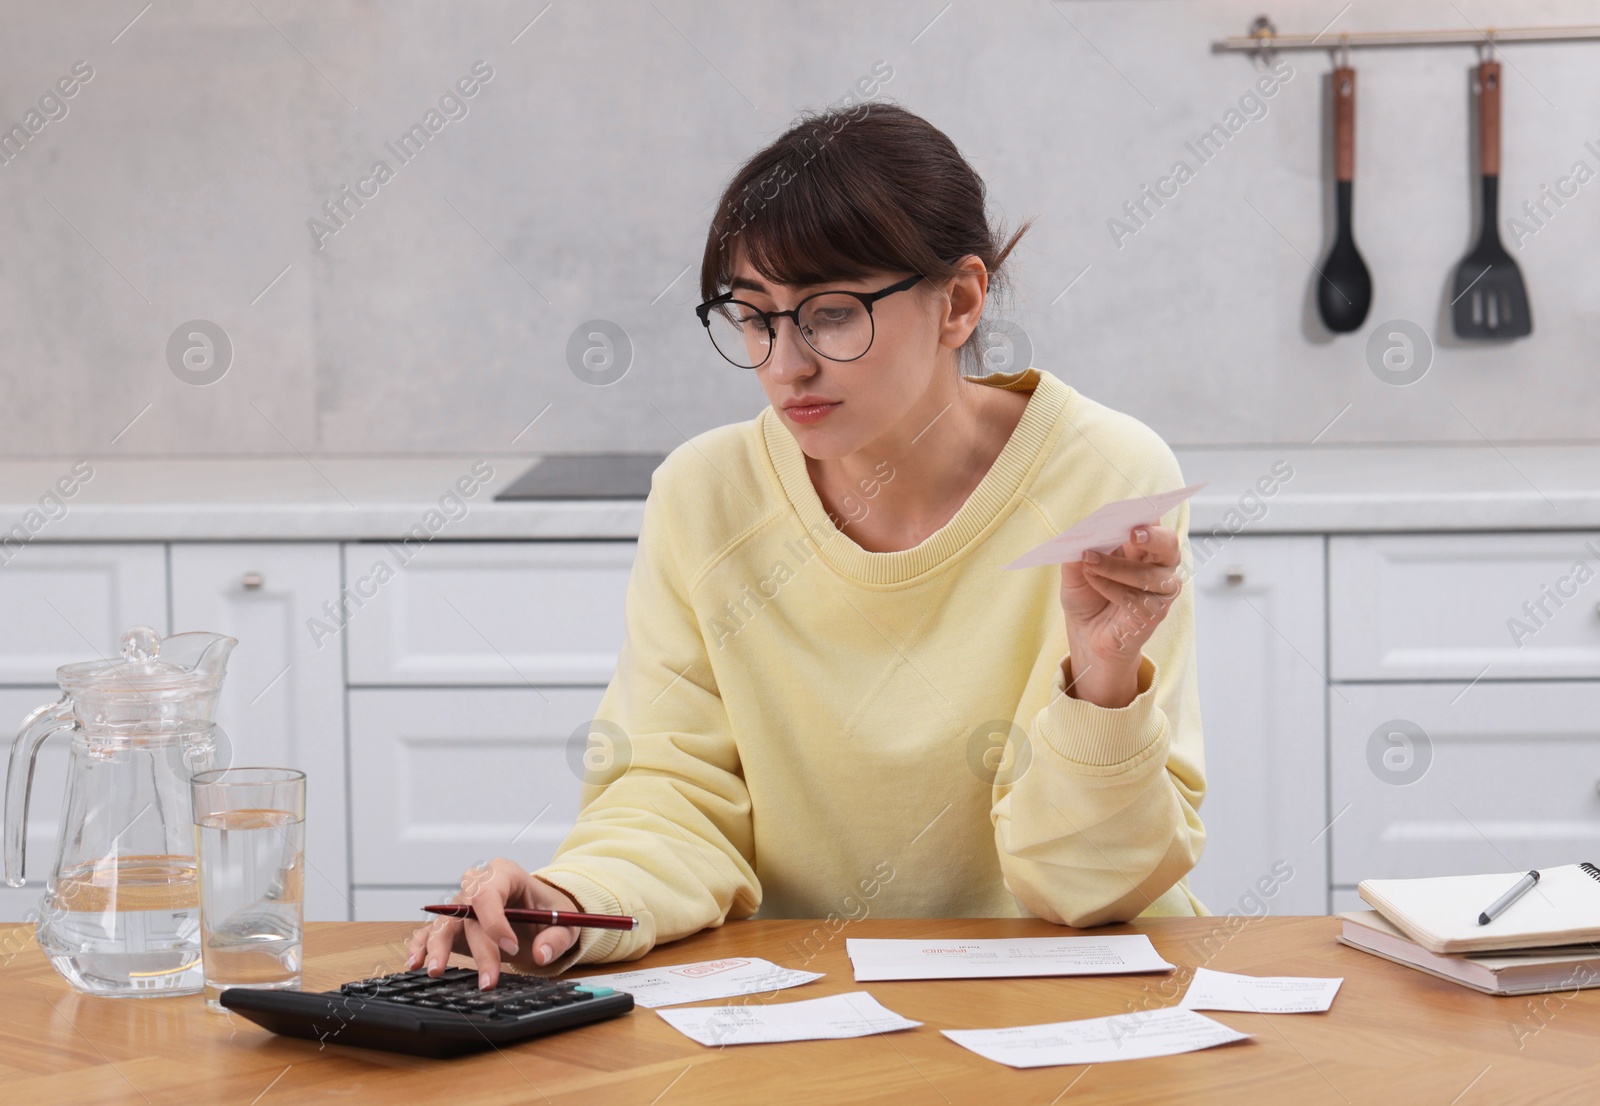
250, 834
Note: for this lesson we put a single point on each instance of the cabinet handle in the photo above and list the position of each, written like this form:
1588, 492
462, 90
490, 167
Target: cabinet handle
252, 581
1235, 575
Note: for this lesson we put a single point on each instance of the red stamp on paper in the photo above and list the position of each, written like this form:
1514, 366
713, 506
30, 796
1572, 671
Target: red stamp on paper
710, 967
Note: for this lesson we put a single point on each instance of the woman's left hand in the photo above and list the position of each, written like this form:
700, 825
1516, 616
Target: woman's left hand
1113, 602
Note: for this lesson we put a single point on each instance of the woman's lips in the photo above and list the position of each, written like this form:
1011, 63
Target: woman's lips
810, 413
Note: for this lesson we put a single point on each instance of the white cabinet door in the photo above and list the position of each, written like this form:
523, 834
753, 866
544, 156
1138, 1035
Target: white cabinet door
1259, 626
442, 780
44, 810
283, 700
486, 613
1443, 779
65, 603
1465, 606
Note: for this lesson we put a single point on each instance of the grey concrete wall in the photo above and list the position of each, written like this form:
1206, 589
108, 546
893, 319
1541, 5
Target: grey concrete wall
179, 183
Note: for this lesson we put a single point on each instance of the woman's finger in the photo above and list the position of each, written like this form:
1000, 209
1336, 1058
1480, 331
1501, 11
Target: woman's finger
441, 939
1135, 602
417, 948
551, 942
1142, 575
488, 933
1160, 545
481, 947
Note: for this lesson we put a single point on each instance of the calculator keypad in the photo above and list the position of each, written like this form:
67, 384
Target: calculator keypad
516, 996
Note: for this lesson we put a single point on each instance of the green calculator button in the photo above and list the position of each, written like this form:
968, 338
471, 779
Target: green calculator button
596, 990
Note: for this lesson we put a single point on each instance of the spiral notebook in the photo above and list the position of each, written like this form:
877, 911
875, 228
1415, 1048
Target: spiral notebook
1441, 913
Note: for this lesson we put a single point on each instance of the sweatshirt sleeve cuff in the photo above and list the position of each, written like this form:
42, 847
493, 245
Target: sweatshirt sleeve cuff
1104, 737
594, 946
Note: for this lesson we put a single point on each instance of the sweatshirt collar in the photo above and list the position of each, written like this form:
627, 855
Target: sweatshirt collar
1012, 470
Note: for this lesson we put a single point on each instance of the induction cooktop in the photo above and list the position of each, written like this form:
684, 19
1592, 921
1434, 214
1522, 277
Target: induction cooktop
586, 476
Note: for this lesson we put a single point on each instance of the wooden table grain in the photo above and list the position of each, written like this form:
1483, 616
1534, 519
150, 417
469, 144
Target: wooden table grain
1393, 1035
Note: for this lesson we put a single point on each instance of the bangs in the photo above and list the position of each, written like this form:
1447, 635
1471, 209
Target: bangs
810, 209
808, 232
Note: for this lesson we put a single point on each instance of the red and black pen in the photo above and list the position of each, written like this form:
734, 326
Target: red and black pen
544, 917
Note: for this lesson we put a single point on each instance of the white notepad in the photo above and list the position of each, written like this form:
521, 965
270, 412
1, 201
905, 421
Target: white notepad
1441, 913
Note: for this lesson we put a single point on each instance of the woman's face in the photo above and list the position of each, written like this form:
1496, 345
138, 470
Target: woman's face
836, 408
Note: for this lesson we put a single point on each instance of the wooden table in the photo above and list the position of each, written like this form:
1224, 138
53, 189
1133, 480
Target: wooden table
1393, 1035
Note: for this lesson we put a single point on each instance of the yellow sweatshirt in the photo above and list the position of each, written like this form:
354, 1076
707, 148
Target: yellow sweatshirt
805, 729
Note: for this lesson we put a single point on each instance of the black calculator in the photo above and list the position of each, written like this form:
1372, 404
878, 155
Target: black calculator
440, 1017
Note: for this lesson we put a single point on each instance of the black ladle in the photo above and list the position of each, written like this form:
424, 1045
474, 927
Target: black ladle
1344, 287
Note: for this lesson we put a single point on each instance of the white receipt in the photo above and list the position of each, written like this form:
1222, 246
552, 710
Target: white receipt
856, 1014
1260, 994
879, 959
1131, 1036
1106, 529
707, 979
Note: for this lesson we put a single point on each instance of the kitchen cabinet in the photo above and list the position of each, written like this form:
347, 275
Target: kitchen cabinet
486, 613
1464, 606
282, 703
1464, 706
451, 686
73, 602
60, 604
1442, 779
447, 779
1259, 621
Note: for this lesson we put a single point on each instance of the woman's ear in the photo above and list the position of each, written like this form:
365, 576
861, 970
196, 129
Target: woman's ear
964, 295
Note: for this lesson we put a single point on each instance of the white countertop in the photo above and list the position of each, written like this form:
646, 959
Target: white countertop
1332, 489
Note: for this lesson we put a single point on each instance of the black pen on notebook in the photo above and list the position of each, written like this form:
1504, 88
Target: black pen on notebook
544, 917
1496, 908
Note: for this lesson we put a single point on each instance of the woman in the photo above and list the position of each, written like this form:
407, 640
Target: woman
834, 699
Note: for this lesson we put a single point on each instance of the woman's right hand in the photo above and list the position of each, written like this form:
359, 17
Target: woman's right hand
489, 937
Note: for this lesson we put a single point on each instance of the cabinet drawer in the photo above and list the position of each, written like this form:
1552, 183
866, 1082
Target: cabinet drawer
1431, 780
486, 613
1460, 605
442, 780
66, 603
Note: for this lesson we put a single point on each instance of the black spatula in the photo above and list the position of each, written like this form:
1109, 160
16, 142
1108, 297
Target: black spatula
1344, 292
1489, 299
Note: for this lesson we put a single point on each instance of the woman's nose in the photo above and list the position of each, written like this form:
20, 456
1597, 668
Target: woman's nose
791, 358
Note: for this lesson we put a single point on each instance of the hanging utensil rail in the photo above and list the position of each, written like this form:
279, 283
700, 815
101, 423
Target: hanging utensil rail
1264, 38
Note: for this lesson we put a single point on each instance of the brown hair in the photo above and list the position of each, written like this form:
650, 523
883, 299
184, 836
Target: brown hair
841, 194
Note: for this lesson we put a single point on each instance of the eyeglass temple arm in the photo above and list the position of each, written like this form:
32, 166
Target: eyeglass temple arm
873, 297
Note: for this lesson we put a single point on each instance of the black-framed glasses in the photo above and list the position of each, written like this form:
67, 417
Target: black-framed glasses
838, 325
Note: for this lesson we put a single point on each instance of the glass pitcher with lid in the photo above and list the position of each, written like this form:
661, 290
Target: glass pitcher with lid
121, 909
